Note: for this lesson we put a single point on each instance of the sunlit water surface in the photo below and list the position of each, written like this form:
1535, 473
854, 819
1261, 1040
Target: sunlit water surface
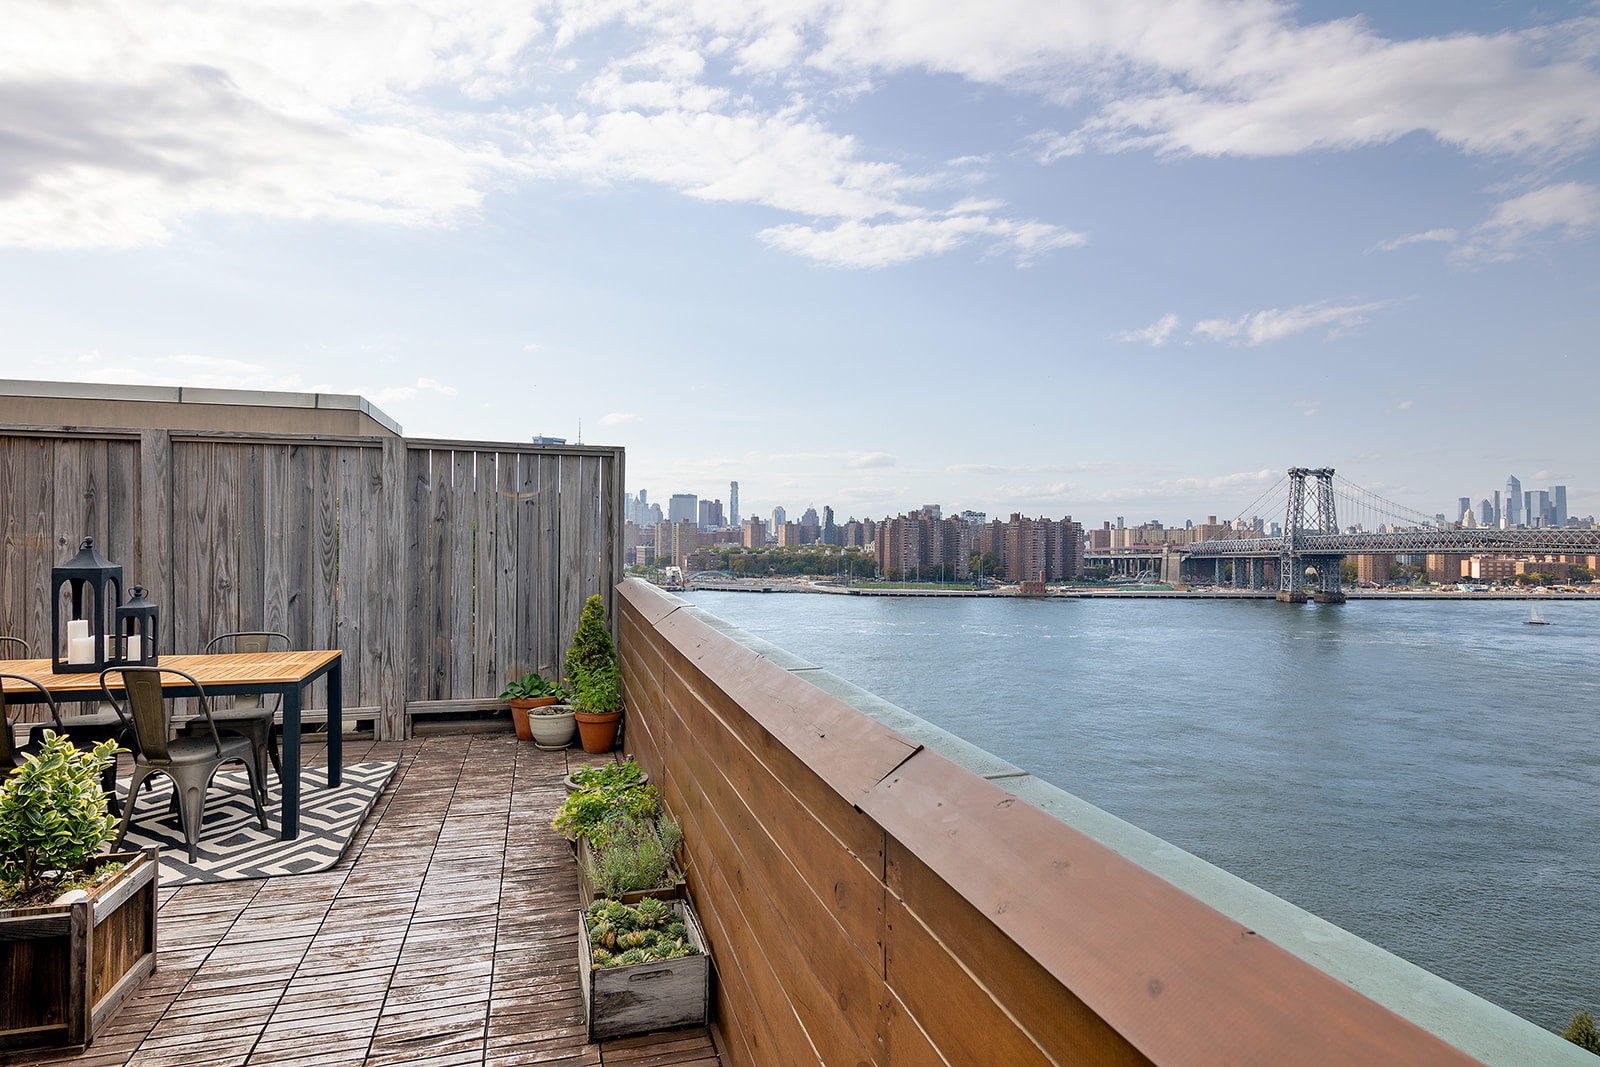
1426, 775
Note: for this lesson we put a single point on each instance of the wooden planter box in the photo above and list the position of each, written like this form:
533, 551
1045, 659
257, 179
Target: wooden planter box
646, 997
588, 891
66, 968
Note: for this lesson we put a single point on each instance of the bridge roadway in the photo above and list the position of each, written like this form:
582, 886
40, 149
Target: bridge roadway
1451, 539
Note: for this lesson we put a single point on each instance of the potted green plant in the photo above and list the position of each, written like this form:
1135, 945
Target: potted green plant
596, 679
529, 693
59, 897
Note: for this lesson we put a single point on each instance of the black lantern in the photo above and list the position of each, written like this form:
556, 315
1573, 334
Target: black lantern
137, 625
86, 632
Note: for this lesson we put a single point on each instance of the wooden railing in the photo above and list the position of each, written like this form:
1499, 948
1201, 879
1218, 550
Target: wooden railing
871, 902
441, 568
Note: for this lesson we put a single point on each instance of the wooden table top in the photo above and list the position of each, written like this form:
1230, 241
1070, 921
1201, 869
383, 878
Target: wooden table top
236, 668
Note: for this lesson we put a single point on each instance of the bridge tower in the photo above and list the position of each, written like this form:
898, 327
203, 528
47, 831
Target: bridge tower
1293, 559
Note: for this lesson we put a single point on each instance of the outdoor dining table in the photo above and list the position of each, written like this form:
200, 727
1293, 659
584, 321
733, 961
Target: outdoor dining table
235, 674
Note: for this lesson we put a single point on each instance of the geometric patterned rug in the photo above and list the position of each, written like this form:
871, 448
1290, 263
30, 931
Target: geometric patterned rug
232, 845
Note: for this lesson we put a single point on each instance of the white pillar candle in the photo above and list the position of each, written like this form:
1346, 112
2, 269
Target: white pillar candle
77, 628
80, 650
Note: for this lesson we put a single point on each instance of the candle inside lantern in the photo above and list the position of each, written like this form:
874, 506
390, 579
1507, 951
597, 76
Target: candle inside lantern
80, 649
77, 628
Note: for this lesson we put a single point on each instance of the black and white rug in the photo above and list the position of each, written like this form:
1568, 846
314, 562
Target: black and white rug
232, 844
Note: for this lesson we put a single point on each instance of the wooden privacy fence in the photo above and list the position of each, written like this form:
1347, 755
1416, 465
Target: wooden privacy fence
868, 901
441, 568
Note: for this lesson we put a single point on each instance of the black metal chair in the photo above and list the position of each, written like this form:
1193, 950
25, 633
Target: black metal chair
190, 762
12, 755
249, 716
10, 645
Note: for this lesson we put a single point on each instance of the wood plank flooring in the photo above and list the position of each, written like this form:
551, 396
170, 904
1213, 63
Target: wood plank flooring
444, 937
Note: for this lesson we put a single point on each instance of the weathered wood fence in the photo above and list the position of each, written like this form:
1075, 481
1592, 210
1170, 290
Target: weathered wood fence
441, 568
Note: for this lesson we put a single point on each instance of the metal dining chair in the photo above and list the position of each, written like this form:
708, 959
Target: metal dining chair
250, 716
14, 648
190, 762
12, 755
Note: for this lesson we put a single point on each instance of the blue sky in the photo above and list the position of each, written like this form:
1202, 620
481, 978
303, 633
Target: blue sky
1103, 259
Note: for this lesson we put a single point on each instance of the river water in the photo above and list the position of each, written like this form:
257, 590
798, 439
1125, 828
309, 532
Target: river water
1426, 775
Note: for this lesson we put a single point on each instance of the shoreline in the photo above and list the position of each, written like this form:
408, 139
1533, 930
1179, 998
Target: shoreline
774, 586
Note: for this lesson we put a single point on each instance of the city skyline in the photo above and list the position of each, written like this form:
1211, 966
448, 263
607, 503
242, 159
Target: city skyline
1027, 258
1555, 493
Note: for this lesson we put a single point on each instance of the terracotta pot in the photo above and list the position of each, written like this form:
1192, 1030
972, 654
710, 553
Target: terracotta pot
519, 715
598, 732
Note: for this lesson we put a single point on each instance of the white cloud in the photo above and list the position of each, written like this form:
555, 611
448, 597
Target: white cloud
618, 418
1405, 405
396, 394
1274, 325
1307, 407
1156, 334
198, 372
1447, 236
124, 120
1568, 211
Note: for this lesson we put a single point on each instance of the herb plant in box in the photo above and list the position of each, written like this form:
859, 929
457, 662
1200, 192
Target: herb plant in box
635, 860
53, 822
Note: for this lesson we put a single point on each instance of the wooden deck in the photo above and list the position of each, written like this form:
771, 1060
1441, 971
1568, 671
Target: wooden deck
443, 937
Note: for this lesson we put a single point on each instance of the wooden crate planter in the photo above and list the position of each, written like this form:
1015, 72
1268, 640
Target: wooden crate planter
588, 891
66, 968
645, 997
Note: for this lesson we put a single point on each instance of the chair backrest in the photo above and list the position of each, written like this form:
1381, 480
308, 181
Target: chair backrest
8, 742
147, 710
249, 641
14, 648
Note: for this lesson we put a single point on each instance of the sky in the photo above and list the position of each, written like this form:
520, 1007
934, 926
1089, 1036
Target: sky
1122, 258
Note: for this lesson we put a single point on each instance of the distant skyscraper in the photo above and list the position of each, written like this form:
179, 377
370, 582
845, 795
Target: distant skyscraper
683, 507
1559, 495
830, 535
1498, 518
1463, 505
779, 517
733, 503
1513, 501
809, 518
1485, 513
1536, 508
710, 514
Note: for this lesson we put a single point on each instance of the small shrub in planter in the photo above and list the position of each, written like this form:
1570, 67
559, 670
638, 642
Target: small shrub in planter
52, 819
81, 959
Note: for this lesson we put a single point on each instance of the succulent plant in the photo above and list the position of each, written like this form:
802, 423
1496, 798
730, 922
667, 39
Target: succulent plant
643, 933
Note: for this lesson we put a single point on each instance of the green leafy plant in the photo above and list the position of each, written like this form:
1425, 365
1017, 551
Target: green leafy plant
1581, 1031
622, 934
599, 691
534, 686
586, 812
53, 814
625, 773
591, 649
637, 854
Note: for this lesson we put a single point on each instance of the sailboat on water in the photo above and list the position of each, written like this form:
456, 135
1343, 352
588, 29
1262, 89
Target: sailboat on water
1536, 616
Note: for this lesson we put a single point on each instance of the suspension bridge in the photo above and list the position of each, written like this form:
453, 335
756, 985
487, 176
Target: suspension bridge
1309, 557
